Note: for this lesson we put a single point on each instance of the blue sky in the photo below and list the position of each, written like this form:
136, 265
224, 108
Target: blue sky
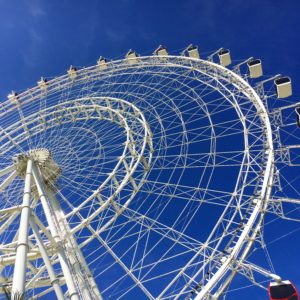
43, 38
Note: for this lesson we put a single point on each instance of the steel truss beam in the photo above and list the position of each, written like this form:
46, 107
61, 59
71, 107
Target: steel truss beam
77, 275
248, 233
19, 279
77, 280
44, 254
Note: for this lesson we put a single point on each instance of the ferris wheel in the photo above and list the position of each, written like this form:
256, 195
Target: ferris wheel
147, 177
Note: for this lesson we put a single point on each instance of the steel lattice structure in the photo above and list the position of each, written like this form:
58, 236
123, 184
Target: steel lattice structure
142, 178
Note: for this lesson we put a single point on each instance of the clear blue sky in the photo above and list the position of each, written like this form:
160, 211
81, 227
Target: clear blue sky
43, 38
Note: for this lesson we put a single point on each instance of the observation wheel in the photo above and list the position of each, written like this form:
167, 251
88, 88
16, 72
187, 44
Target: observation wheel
142, 178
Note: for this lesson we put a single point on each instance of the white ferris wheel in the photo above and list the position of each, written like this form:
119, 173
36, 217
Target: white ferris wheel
147, 177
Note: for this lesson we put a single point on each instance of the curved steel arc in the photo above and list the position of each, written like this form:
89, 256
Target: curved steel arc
138, 149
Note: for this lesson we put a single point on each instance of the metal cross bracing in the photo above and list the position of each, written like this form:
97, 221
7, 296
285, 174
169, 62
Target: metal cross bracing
142, 145
79, 280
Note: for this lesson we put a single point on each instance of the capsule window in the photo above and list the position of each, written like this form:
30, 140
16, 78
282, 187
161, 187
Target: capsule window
282, 80
192, 47
254, 62
224, 51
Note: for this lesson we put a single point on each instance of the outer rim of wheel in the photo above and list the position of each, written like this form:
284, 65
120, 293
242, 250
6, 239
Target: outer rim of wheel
262, 200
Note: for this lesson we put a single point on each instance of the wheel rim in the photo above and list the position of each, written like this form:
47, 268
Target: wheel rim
198, 117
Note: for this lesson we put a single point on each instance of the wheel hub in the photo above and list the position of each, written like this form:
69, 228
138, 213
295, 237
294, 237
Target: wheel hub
42, 157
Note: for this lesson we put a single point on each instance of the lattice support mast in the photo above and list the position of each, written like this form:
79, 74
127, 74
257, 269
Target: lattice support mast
19, 278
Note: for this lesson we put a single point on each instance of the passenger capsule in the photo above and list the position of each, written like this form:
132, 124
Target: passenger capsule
255, 68
224, 57
161, 51
131, 57
102, 63
72, 72
284, 290
193, 51
283, 87
43, 83
13, 96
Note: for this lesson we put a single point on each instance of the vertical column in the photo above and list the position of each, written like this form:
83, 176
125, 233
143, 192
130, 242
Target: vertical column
19, 278
73, 293
53, 278
85, 278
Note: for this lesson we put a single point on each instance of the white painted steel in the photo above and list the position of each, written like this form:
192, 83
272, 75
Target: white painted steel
260, 202
48, 264
8, 180
87, 286
65, 264
103, 210
7, 170
18, 286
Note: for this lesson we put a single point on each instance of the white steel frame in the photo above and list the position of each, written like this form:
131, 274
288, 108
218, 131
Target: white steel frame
137, 155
